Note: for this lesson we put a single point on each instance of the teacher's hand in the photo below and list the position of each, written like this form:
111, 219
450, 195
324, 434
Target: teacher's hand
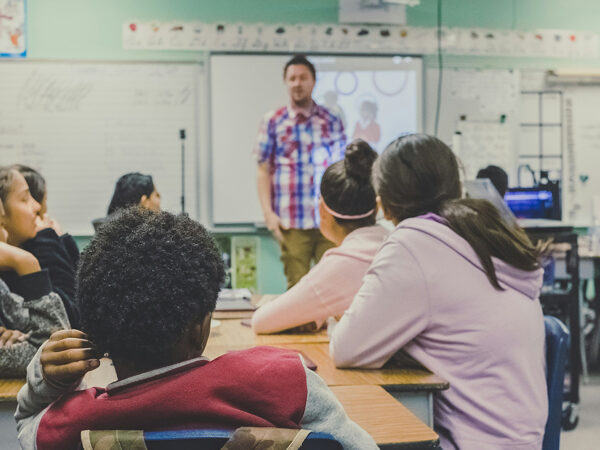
274, 225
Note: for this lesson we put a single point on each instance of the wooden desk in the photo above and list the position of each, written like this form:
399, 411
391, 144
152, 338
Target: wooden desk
231, 333
386, 420
9, 388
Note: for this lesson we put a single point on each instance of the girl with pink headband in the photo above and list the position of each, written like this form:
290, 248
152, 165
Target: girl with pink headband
347, 209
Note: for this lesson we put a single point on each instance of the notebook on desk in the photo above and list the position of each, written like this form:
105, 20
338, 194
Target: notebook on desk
234, 300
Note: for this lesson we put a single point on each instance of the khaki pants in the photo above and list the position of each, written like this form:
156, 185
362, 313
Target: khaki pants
298, 248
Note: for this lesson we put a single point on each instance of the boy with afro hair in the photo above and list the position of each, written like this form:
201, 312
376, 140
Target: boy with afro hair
147, 287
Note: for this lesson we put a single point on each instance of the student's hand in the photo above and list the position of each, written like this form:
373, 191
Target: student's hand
68, 356
17, 259
311, 327
274, 225
55, 225
10, 337
45, 221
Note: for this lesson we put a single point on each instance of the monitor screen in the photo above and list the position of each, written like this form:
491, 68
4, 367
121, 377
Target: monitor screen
531, 203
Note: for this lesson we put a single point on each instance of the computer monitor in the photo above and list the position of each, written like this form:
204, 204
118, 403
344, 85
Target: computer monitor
541, 202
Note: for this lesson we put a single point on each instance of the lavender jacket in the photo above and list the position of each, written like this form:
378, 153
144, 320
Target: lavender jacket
427, 293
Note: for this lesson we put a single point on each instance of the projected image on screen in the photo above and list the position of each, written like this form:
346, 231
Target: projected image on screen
375, 105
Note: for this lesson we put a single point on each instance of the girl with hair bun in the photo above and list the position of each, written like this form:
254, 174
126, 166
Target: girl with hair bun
348, 209
456, 288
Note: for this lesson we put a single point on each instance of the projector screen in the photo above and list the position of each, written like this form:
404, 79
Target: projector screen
378, 98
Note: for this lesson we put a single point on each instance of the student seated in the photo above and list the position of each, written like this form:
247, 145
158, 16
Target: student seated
55, 249
29, 313
457, 289
134, 189
148, 284
347, 209
131, 189
497, 176
21, 222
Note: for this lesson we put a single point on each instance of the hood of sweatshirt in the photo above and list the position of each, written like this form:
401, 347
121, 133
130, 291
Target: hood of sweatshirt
527, 283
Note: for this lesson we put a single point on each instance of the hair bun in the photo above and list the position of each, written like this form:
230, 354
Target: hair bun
359, 160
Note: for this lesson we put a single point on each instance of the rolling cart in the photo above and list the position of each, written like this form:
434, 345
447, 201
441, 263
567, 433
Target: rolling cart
562, 299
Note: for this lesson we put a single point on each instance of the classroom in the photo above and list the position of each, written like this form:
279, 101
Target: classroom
314, 224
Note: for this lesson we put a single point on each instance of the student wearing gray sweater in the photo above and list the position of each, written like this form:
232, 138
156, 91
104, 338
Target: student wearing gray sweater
29, 314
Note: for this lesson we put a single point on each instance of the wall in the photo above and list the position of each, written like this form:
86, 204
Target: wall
91, 30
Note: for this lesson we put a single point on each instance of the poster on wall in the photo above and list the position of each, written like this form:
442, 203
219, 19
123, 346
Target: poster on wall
245, 263
13, 30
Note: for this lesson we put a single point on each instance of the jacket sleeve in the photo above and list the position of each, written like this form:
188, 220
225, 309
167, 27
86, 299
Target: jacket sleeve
50, 251
300, 305
390, 309
324, 413
39, 313
33, 399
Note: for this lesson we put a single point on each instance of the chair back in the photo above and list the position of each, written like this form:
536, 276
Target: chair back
206, 439
557, 346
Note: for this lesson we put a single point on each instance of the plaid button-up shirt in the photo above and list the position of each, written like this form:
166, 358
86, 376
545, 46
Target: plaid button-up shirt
298, 149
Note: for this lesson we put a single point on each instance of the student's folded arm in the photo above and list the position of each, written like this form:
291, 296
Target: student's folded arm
298, 306
11, 305
389, 310
324, 413
33, 399
37, 310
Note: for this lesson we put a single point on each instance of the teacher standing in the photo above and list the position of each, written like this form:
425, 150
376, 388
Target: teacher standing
295, 145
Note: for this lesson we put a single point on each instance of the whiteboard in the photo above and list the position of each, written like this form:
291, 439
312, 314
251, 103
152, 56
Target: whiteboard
473, 101
244, 87
85, 124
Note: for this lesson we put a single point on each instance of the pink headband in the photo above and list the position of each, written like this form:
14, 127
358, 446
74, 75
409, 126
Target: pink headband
344, 216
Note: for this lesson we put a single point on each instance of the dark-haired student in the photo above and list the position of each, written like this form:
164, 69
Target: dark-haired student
147, 285
134, 188
457, 289
498, 177
55, 250
347, 209
131, 189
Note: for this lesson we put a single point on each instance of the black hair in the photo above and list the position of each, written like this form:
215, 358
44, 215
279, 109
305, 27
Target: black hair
143, 281
302, 61
129, 191
418, 174
346, 185
35, 181
497, 176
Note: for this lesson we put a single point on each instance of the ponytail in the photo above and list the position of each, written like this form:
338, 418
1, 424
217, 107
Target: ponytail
479, 223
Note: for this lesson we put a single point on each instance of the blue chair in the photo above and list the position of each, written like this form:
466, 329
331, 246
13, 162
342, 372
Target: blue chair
212, 439
557, 346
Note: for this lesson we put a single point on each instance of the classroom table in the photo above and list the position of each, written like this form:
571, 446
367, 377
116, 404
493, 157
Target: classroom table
393, 426
231, 332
